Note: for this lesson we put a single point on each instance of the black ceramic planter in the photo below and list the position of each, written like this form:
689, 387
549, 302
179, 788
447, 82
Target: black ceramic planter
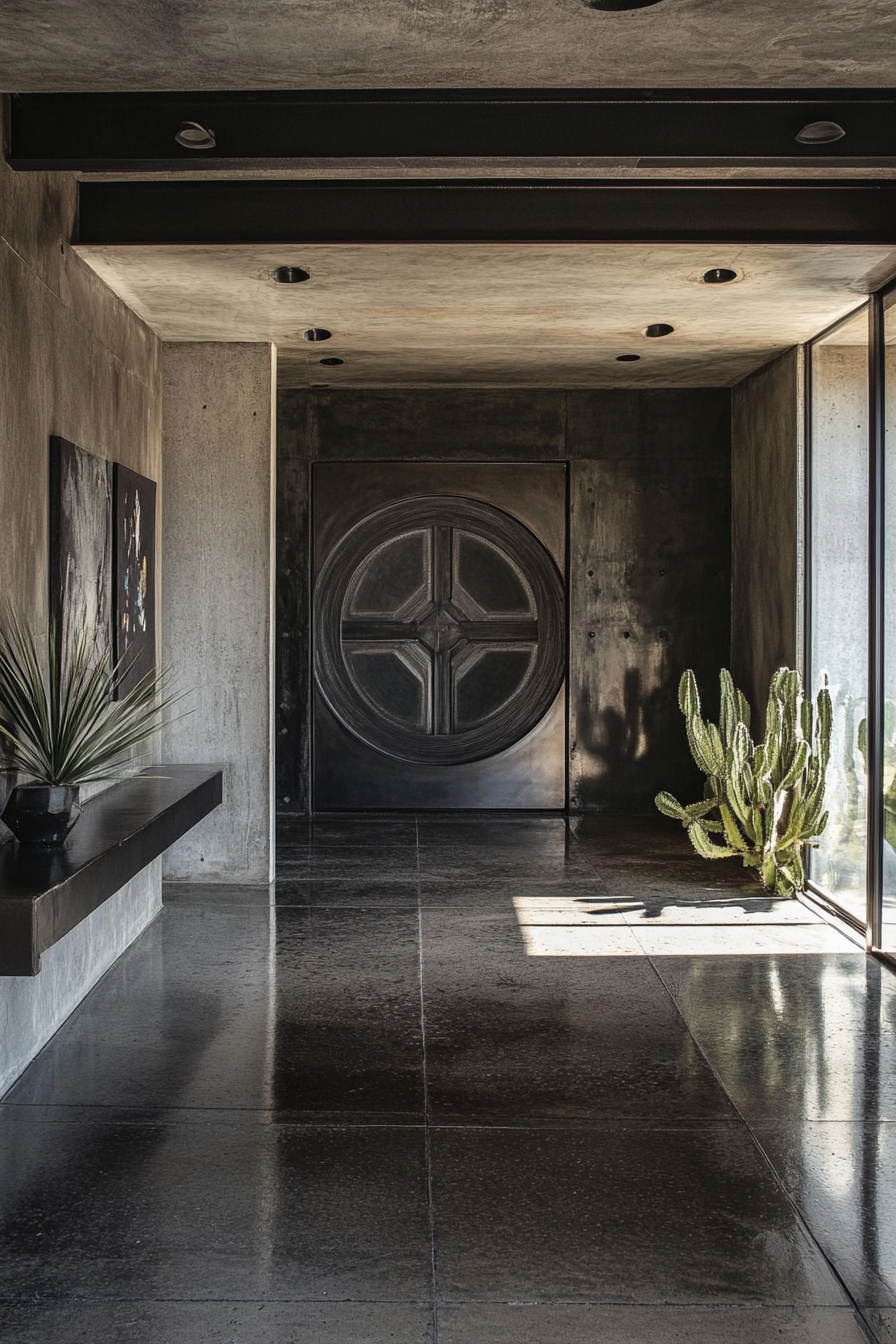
42, 814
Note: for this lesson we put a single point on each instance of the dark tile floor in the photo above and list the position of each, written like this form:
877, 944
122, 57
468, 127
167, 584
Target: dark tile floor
492, 1080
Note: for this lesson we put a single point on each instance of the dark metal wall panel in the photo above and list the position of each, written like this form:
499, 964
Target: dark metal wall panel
292, 751
295, 424
765, 446
649, 582
649, 594
650, 422
473, 424
292, 754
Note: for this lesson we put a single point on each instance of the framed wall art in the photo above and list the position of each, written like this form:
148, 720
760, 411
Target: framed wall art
80, 559
102, 557
134, 563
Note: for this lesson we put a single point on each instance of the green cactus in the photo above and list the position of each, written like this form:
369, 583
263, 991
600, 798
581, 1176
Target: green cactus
889, 764
764, 800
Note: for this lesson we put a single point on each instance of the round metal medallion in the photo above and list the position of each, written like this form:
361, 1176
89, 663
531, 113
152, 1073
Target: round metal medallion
439, 630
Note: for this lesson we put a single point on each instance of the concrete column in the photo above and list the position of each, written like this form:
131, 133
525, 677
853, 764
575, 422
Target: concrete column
218, 577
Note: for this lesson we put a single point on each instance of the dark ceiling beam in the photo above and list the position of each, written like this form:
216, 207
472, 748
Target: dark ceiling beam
136, 132
499, 211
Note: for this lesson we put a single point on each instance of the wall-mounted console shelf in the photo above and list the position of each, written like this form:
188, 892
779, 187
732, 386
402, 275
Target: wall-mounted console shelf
45, 893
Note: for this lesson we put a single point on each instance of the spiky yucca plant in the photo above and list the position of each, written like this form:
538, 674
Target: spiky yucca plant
765, 798
58, 716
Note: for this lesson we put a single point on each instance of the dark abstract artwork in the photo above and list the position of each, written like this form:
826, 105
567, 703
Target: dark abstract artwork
134, 565
80, 544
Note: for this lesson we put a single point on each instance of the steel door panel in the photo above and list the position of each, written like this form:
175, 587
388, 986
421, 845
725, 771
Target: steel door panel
439, 635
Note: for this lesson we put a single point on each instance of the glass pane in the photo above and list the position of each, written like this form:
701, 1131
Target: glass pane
485, 683
888, 939
838, 596
490, 577
395, 573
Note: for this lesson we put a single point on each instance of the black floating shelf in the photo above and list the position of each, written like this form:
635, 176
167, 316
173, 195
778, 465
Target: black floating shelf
44, 894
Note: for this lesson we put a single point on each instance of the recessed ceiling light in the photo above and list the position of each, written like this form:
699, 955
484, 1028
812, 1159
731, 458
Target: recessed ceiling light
316, 334
820, 133
658, 329
626, 359
290, 275
193, 136
719, 275
616, 5
331, 361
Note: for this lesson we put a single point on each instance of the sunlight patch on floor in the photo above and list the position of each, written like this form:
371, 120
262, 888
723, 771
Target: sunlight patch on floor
586, 926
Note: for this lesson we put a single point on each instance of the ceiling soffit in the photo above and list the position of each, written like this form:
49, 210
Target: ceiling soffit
498, 314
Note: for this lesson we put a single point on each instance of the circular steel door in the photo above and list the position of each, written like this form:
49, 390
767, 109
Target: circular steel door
439, 625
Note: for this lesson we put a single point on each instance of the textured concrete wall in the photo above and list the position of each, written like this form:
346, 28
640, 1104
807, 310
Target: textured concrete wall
54, 44
32, 1008
218, 570
649, 554
74, 361
765, 447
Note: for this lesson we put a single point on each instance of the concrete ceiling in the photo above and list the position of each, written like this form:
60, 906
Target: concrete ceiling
499, 314
221, 44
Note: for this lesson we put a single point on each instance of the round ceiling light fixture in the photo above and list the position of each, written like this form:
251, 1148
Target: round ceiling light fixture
290, 275
193, 136
331, 361
627, 359
316, 334
820, 133
614, 6
658, 329
719, 275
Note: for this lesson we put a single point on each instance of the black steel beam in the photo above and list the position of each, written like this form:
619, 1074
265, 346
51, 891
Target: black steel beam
44, 894
346, 212
136, 132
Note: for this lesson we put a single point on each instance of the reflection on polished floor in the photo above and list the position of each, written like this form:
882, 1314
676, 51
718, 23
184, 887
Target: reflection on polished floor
474, 1080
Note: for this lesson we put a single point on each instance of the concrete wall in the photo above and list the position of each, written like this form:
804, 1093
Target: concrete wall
765, 452
74, 361
218, 570
649, 553
33, 1007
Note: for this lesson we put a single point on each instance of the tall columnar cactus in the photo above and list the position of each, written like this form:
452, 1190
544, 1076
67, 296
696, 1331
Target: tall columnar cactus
889, 763
765, 799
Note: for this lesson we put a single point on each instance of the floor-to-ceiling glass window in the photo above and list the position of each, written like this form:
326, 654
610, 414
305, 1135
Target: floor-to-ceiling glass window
838, 482
888, 870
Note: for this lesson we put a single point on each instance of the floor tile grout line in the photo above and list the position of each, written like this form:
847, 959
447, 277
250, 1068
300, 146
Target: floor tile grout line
864, 1323
580, 848
427, 1114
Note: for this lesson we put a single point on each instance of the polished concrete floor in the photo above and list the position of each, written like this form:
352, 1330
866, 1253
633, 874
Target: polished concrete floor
468, 1081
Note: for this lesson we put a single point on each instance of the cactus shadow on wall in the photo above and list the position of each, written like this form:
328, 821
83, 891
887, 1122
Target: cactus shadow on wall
631, 747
